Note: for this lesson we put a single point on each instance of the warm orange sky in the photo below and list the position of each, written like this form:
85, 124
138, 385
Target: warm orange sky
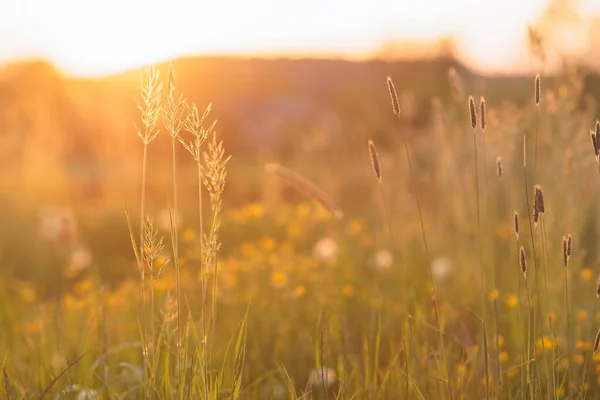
90, 37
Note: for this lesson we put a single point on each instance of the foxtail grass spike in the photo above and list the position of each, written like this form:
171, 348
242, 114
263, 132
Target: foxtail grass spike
538, 89
393, 96
499, 167
523, 261
375, 160
565, 253
472, 112
539, 206
516, 225
482, 113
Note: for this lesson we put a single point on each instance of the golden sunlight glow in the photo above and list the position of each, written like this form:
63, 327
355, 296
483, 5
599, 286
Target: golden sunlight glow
99, 37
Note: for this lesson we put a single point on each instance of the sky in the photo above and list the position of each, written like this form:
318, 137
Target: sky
99, 37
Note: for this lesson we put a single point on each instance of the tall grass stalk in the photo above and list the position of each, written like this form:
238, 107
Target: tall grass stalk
194, 124
396, 110
483, 124
173, 119
547, 311
150, 111
473, 117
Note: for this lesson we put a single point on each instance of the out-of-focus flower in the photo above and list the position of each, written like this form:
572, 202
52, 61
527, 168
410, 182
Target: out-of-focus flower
58, 225
441, 268
322, 376
383, 259
326, 250
272, 389
80, 258
278, 279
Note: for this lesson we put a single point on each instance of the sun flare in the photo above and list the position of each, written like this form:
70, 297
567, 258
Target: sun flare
93, 37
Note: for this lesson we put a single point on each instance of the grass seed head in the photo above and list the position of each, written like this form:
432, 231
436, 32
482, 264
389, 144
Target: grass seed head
538, 89
499, 167
516, 225
482, 114
375, 160
565, 254
539, 206
569, 245
306, 187
472, 112
523, 261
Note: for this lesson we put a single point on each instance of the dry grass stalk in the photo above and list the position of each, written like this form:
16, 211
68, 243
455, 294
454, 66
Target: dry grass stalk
538, 89
499, 169
482, 113
306, 187
472, 112
375, 160
173, 119
516, 225
393, 96
523, 261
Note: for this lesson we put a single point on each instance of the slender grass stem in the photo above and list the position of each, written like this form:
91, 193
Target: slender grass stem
175, 246
433, 286
204, 274
547, 298
141, 266
482, 271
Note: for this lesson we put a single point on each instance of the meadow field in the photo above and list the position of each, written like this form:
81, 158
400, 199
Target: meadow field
299, 229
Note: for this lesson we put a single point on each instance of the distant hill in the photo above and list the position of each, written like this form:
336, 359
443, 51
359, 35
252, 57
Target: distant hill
51, 123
